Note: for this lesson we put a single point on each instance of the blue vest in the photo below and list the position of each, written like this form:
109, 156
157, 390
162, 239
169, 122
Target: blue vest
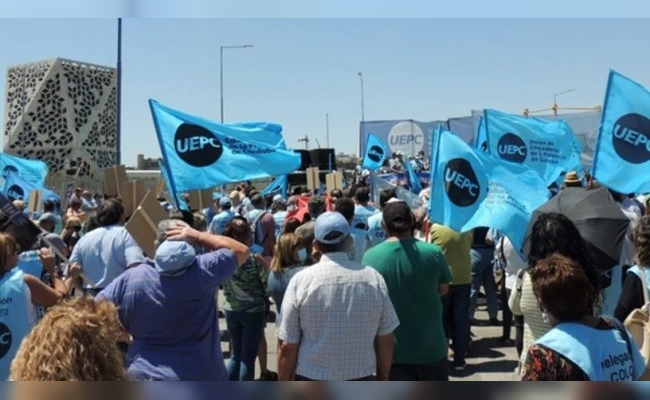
361, 215
376, 232
635, 270
360, 241
601, 354
14, 321
220, 221
280, 217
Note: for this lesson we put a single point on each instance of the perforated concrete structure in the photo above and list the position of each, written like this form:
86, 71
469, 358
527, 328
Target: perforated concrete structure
60, 111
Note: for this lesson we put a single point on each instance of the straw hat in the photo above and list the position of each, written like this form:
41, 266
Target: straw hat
572, 179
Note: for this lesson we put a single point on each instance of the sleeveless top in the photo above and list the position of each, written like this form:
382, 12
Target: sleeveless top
17, 316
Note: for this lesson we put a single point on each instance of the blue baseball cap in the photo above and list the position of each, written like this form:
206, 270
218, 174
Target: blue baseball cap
225, 201
328, 224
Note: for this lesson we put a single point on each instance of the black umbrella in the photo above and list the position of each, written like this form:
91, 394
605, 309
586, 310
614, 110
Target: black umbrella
598, 218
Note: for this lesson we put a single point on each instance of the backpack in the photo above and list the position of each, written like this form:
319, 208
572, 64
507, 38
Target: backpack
638, 323
256, 226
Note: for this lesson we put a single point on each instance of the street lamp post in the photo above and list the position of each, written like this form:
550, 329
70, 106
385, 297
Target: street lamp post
221, 69
362, 110
555, 107
363, 117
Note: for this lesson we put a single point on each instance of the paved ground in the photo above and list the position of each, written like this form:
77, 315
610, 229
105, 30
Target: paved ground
487, 360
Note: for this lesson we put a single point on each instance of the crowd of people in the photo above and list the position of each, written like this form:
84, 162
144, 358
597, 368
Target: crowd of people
363, 290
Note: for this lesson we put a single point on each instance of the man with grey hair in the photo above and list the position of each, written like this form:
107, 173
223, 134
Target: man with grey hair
167, 305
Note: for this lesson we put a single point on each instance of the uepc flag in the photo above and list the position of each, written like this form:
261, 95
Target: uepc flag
538, 144
472, 189
622, 156
32, 171
375, 154
16, 188
201, 154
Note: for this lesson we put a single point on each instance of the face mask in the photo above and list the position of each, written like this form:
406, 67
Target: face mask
302, 255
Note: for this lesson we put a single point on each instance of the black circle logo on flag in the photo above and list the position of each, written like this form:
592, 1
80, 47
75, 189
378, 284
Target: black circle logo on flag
484, 146
375, 153
5, 340
197, 146
461, 183
631, 138
9, 169
512, 148
15, 192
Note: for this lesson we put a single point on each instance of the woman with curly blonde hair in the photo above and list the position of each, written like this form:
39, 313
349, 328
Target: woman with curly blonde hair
75, 341
634, 285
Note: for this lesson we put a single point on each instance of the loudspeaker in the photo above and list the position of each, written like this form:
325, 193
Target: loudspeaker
305, 159
321, 158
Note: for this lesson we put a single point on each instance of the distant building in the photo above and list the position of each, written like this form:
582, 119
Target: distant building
147, 163
63, 112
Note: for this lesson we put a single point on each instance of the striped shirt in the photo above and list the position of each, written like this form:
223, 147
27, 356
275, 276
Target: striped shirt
334, 310
534, 325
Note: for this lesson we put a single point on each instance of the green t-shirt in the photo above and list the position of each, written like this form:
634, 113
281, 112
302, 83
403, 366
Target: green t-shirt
456, 247
413, 270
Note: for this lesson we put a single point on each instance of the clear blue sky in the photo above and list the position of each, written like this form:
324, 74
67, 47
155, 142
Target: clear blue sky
302, 69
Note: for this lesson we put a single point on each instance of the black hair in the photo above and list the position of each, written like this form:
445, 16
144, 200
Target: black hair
336, 193
555, 233
48, 206
386, 195
345, 207
110, 213
362, 195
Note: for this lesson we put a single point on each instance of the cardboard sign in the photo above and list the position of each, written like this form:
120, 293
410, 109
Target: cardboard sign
334, 181
153, 208
161, 186
143, 223
35, 201
313, 180
115, 175
200, 199
132, 195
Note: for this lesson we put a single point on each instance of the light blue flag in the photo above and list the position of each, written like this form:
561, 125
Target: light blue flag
32, 171
278, 186
622, 156
481, 136
375, 153
472, 189
201, 154
536, 143
377, 184
413, 179
16, 188
176, 199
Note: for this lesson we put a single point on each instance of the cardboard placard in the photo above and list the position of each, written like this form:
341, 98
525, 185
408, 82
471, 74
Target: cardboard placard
334, 181
153, 208
132, 195
144, 231
200, 199
114, 176
35, 201
161, 186
143, 224
313, 180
